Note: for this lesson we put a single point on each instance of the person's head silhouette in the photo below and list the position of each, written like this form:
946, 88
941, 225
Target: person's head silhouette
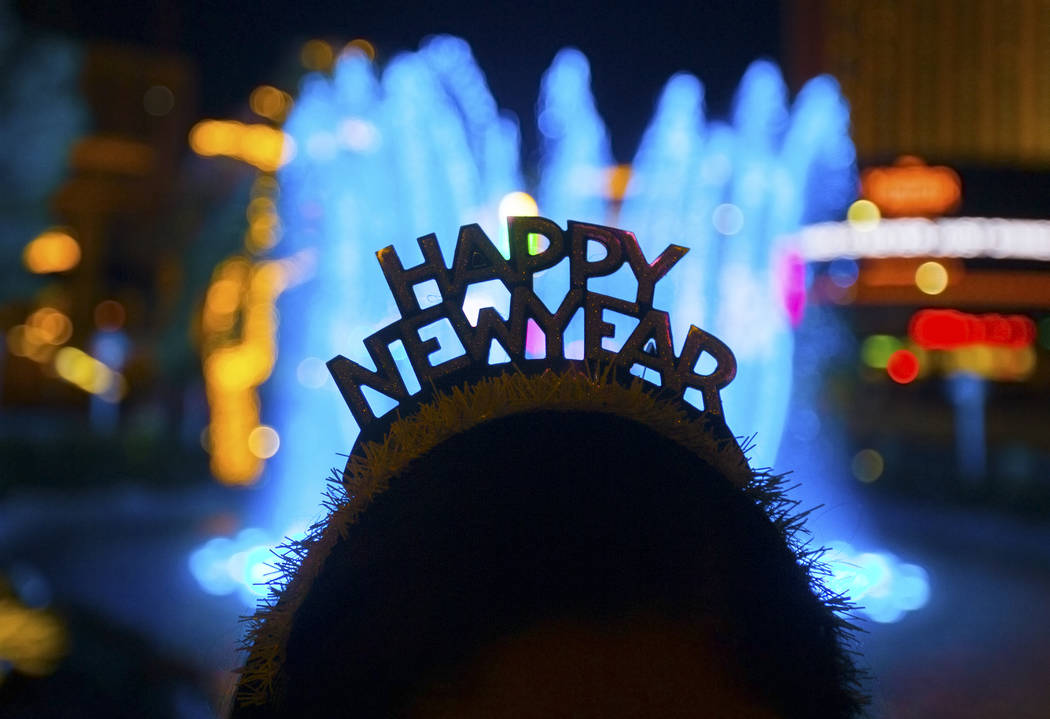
563, 563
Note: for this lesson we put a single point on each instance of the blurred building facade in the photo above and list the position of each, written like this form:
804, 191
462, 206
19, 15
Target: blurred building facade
122, 173
966, 80
965, 86
108, 210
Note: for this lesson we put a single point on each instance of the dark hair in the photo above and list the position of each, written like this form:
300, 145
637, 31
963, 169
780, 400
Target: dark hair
551, 515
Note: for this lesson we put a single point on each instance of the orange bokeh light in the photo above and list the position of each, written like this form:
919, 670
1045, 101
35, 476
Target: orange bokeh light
317, 55
265, 147
911, 188
109, 315
269, 102
52, 251
362, 46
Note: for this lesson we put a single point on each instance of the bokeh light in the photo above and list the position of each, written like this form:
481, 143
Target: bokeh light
264, 225
43, 331
269, 102
51, 251
52, 325
516, 204
239, 328
242, 564
158, 100
728, 219
1044, 332
89, 374
265, 147
867, 465
32, 641
931, 278
317, 55
1003, 364
876, 350
863, 215
843, 271
312, 373
361, 47
109, 315
902, 366
263, 442
883, 588
951, 329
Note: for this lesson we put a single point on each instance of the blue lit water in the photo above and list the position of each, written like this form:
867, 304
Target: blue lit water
420, 146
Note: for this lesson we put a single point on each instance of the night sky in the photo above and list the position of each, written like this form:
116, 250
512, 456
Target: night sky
633, 49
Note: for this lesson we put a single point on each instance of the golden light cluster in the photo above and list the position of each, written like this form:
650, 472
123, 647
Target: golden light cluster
42, 333
32, 641
320, 56
41, 338
235, 364
51, 251
1002, 364
317, 55
264, 224
260, 145
89, 374
239, 343
269, 102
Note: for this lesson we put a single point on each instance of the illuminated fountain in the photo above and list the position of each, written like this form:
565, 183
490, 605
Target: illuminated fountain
422, 148
378, 162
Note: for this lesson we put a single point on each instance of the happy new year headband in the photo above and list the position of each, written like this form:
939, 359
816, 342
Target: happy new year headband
477, 260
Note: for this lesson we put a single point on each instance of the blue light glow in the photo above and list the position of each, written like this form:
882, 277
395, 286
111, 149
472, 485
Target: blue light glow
575, 152
883, 588
843, 271
732, 193
241, 565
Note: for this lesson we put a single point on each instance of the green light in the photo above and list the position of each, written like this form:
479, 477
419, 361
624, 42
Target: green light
875, 351
1044, 332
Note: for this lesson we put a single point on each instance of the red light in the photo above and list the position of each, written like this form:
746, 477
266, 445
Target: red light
902, 366
949, 329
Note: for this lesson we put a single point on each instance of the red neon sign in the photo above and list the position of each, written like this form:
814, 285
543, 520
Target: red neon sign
949, 329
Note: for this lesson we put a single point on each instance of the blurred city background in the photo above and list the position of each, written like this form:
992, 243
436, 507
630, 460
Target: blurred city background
193, 195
